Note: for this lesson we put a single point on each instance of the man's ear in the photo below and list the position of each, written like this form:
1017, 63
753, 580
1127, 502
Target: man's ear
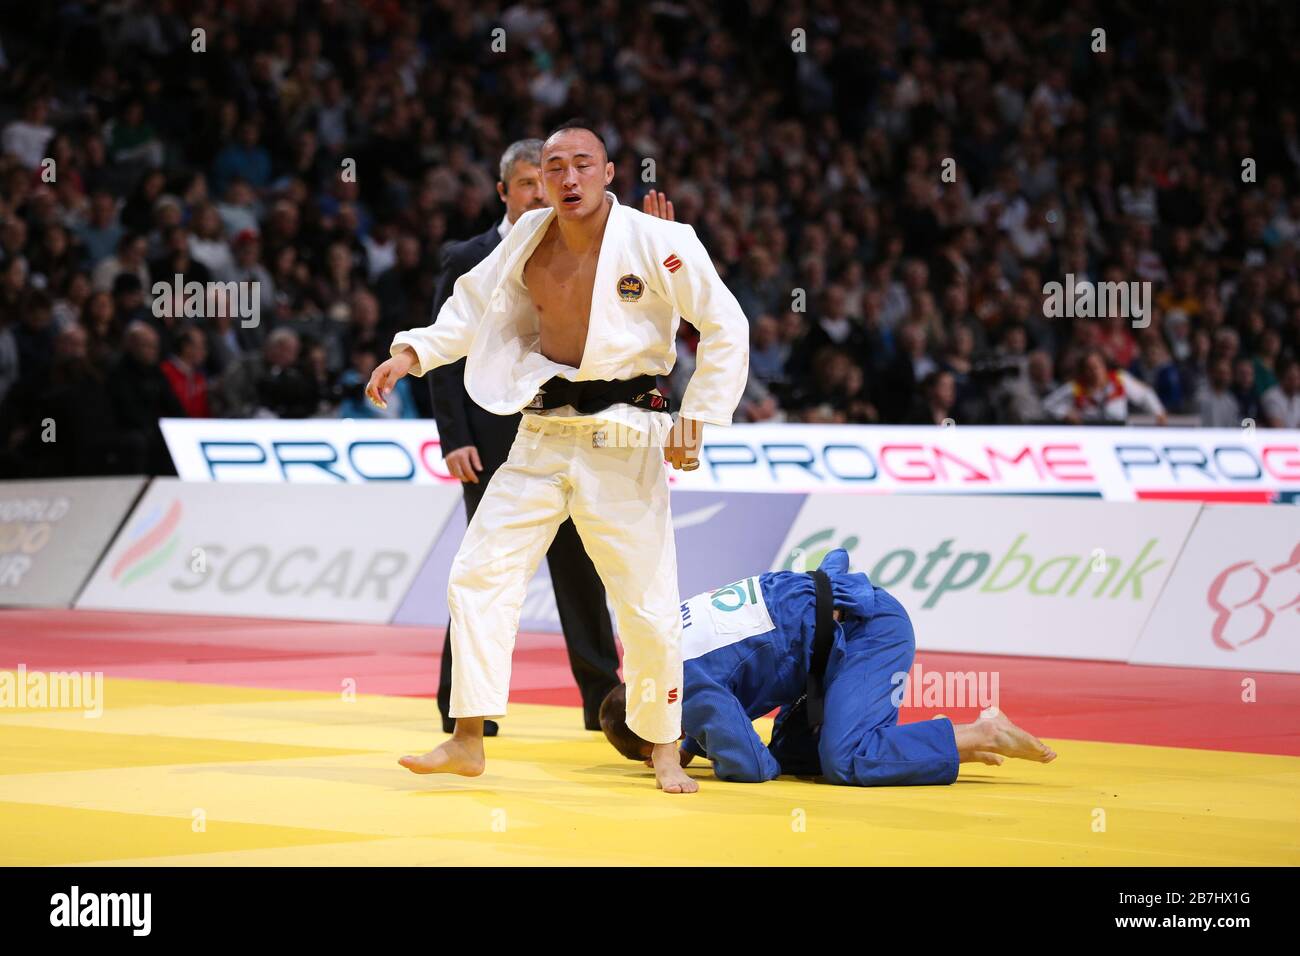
609, 172
501, 190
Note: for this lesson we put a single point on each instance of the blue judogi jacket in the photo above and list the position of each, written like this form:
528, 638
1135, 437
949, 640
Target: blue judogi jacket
746, 650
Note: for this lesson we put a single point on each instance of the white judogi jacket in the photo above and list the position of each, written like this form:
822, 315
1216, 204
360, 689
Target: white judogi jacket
651, 274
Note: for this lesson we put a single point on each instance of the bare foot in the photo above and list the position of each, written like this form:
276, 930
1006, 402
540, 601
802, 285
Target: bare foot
972, 756
669, 775
1001, 736
457, 755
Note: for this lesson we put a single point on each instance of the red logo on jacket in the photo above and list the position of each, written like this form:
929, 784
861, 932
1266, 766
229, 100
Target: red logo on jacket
672, 696
672, 263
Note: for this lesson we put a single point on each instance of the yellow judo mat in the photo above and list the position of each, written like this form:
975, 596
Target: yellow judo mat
191, 774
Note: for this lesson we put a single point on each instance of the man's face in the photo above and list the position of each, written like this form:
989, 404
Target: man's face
575, 172
1220, 374
524, 190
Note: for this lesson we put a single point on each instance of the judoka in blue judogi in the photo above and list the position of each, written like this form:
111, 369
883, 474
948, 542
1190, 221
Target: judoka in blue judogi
749, 649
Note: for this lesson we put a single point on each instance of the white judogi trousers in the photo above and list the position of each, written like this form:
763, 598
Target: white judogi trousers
617, 495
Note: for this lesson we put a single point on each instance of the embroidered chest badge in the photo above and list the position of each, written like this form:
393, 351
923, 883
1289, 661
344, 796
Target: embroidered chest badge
631, 287
672, 263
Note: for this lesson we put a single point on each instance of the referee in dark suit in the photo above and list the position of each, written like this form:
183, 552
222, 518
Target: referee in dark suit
476, 442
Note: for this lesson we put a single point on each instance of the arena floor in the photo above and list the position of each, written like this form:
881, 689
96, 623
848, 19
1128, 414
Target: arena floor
237, 741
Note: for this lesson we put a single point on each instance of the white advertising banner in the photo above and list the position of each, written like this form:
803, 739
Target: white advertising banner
1031, 577
1119, 464
340, 553
1233, 600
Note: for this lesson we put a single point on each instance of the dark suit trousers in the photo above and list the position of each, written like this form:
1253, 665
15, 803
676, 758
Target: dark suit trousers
584, 616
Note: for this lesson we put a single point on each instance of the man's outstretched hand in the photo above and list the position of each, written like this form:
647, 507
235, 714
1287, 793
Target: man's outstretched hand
387, 375
682, 449
658, 205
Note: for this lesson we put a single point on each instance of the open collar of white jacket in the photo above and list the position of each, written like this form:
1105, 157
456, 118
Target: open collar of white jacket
650, 274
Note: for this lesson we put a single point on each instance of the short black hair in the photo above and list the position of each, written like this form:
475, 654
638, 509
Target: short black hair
579, 122
613, 721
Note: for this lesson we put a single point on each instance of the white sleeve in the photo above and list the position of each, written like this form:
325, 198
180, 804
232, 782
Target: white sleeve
700, 297
448, 338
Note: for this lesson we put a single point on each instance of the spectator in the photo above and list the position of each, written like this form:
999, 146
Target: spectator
1281, 403
268, 383
1216, 402
248, 268
129, 260
1098, 396
322, 380
937, 404
128, 302
138, 213
25, 139
140, 395
830, 394
768, 354
1023, 399
1154, 367
1061, 168
208, 243
101, 234
1245, 391
74, 401
184, 371
132, 140
352, 384
34, 335
103, 331
911, 366
243, 159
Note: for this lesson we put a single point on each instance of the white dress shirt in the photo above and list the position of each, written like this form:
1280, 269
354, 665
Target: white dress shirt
650, 274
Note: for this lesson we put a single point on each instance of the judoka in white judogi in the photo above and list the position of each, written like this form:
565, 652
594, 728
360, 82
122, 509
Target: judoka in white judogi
650, 274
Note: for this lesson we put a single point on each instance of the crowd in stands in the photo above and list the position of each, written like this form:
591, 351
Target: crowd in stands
887, 187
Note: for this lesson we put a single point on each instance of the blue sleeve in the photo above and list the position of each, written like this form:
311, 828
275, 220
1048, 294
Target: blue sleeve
729, 738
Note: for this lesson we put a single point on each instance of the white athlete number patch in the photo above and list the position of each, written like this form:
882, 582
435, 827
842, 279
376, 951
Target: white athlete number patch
728, 615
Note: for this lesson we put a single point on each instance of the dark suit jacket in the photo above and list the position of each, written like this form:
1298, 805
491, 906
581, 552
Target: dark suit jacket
460, 421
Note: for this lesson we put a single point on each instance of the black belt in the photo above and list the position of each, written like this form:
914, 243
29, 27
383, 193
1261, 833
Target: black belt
823, 640
598, 394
